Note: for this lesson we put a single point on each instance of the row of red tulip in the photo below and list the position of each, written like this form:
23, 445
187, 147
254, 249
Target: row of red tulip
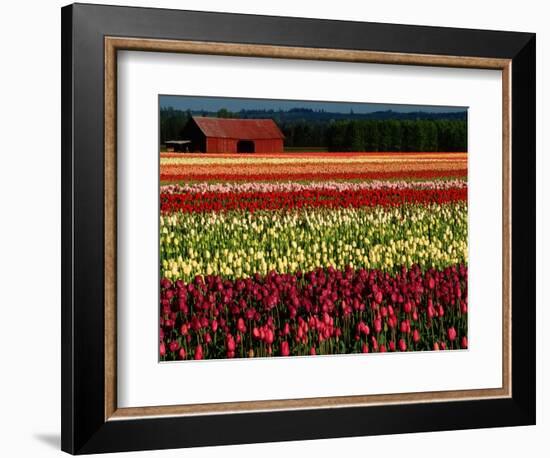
252, 201
321, 312
306, 176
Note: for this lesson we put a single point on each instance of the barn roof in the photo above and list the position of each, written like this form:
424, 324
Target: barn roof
244, 129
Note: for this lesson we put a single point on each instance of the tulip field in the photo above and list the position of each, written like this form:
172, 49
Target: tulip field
295, 254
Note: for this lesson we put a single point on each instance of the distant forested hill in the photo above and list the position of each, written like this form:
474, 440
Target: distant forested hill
377, 131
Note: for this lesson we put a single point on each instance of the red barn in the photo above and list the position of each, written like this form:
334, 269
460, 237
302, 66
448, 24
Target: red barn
224, 135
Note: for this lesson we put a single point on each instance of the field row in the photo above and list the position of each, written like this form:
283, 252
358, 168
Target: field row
240, 244
315, 168
301, 161
298, 176
315, 198
325, 311
334, 186
321, 154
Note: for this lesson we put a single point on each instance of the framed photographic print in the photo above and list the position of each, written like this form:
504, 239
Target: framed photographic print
281, 228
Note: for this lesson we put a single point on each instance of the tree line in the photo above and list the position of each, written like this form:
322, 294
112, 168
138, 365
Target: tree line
397, 135
345, 134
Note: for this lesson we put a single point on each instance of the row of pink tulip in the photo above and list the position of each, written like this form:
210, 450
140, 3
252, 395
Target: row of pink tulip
326, 311
290, 186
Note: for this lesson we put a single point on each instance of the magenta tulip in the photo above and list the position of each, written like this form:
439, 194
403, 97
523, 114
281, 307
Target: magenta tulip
285, 350
241, 327
451, 334
230, 342
402, 345
174, 345
198, 352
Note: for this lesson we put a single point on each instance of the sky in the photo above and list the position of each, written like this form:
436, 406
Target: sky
236, 104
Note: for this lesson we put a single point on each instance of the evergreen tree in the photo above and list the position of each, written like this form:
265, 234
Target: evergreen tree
371, 135
342, 131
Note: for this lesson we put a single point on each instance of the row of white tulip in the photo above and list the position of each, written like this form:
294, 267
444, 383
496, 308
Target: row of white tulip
240, 244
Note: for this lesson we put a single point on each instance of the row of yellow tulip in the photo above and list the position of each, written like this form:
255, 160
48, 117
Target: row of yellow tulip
239, 244
192, 161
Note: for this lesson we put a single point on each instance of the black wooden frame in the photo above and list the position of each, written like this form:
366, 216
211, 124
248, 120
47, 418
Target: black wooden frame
84, 429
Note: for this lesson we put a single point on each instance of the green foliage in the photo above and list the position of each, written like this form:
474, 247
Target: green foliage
397, 135
225, 113
304, 128
172, 123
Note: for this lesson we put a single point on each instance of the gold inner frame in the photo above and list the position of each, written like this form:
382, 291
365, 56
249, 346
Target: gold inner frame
114, 44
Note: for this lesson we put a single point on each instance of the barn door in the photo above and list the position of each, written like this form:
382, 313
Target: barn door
245, 146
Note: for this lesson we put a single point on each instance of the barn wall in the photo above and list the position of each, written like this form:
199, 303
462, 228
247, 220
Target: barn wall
229, 145
192, 132
269, 146
221, 145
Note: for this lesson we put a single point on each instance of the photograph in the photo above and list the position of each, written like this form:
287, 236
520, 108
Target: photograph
274, 224
305, 228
